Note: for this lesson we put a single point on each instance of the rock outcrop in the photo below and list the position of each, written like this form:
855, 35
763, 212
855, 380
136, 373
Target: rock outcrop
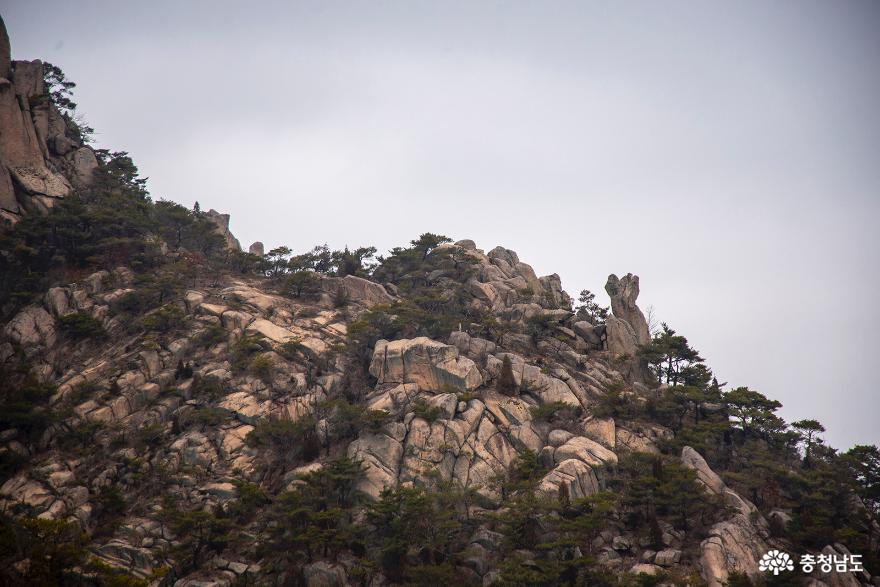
243, 359
42, 157
735, 544
222, 223
473, 441
626, 329
357, 289
503, 284
623, 293
429, 364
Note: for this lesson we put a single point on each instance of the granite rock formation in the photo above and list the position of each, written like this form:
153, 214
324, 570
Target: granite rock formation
42, 158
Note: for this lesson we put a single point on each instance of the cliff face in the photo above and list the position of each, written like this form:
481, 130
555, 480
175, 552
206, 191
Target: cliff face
41, 158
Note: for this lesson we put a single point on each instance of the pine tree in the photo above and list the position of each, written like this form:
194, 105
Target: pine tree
589, 310
672, 358
808, 431
752, 410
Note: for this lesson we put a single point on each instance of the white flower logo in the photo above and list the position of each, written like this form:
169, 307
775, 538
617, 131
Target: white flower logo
776, 560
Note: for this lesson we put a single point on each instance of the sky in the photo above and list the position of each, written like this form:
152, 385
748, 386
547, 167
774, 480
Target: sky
727, 153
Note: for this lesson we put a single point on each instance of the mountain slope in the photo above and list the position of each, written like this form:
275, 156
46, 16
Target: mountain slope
232, 388
174, 411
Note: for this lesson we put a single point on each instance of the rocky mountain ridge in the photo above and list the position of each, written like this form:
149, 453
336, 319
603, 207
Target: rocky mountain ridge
175, 411
467, 432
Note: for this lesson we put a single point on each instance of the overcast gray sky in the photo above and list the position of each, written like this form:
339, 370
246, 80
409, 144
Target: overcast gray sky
728, 153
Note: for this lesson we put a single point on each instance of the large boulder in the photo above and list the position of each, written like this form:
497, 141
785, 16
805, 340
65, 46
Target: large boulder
571, 477
57, 300
668, 557
324, 574
357, 289
32, 326
586, 450
430, 364
381, 456
733, 546
470, 346
706, 476
532, 380
84, 165
602, 430
627, 440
